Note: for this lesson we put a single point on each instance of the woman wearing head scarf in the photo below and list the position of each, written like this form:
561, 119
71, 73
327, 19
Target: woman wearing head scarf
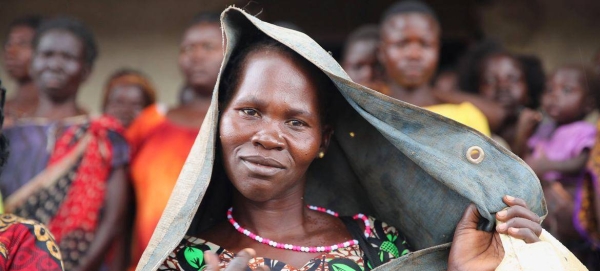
267, 148
126, 94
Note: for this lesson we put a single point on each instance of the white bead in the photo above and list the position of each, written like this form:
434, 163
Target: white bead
334, 247
258, 238
246, 232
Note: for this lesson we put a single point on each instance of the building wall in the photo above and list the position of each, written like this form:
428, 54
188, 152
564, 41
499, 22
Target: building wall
558, 31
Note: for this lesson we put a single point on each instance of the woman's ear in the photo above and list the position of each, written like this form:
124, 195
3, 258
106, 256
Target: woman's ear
326, 137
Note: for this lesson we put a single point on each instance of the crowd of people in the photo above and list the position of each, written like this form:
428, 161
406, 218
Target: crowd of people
101, 183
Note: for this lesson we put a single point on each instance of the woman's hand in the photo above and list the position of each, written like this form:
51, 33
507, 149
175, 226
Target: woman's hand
473, 249
239, 263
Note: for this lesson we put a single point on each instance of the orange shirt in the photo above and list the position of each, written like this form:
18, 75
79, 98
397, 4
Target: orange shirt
160, 149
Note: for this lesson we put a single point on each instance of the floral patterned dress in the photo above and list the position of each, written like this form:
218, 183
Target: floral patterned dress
390, 244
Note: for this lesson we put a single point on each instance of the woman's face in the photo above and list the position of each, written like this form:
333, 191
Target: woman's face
271, 129
58, 66
503, 81
125, 103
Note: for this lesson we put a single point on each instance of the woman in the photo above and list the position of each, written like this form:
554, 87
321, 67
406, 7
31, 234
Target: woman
66, 169
126, 94
277, 151
161, 138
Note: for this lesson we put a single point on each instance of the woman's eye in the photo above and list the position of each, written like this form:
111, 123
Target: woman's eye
296, 123
567, 90
250, 112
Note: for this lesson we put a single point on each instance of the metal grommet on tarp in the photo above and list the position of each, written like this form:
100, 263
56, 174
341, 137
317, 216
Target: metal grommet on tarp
475, 154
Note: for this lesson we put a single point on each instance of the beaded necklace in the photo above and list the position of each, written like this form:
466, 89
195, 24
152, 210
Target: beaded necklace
272, 243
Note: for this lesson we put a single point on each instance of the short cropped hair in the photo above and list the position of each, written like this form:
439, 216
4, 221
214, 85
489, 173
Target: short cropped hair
368, 32
75, 27
409, 6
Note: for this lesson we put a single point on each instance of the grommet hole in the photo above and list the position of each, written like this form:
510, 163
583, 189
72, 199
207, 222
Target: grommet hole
475, 154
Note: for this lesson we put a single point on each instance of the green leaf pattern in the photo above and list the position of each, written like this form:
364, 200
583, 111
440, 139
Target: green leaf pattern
194, 257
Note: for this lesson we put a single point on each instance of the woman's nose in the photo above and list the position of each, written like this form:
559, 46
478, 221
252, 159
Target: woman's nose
54, 63
269, 139
414, 51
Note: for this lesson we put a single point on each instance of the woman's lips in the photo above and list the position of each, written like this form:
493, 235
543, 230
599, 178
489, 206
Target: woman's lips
262, 166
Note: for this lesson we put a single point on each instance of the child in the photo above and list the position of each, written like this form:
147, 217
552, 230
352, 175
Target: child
504, 79
359, 58
559, 150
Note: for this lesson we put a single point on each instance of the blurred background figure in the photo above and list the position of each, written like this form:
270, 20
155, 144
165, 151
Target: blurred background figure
596, 63
409, 52
126, 94
18, 52
66, 169
446, 80
558, 151
19, 237
186, 95
162, 138
504, 79
359, 57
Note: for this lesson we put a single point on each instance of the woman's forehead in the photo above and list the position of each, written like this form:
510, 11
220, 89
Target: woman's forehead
270, 77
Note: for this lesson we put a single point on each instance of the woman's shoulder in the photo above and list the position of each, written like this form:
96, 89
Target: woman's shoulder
150, 118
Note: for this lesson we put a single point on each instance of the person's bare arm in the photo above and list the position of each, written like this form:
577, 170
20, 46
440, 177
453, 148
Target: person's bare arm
494, 112
542, 165
111, 226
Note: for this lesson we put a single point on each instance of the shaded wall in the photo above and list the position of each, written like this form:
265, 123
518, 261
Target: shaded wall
559, 31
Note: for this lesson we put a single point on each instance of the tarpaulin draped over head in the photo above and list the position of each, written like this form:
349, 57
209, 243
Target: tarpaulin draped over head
395, 161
